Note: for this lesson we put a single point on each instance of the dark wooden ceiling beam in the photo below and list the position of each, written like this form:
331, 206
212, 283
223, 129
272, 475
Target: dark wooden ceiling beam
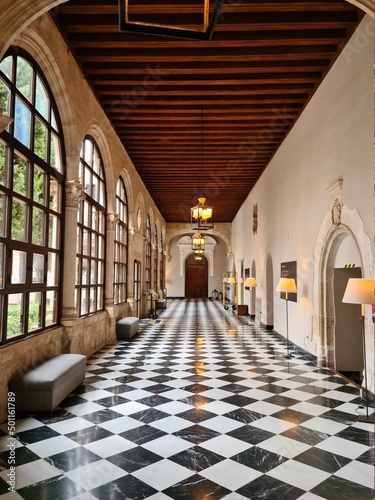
216, 105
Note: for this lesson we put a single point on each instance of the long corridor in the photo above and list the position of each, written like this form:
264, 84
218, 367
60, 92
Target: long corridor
199, 405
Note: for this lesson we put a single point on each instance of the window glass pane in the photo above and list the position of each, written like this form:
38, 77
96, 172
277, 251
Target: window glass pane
93, 274
53, 269
53, 232
86, 214
4, 159
41, 98
79, 240
39, 186
53, 120
6, 67
19, 264
2, 265
95, 188
85, 272
78, 271
23, 77
14, 321
102, 194
3, 213
38, 268
100, 278
87, 181
54, 195
96, 161
4, 98
22, 121
40, 139
84, 301
88, 151
19, 220
94, 218
100, 247
86, 242
99, 302
51, 308
35, 311
38, 227
55, 152
93, 306
20, 166
94, 245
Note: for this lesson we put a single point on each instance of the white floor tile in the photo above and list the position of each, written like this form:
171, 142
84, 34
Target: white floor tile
162, 474
324, 425
218, 407
109, 446
96, 474
230, 474
222, 424
52, 446
167, 446
298, 474
171, 424
342, 447
70, 425
284, 446
359, 473
226, 446
32, 473
121, 424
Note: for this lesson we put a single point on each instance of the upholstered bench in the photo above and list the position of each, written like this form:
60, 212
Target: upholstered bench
43, 387
127, 327
161, 304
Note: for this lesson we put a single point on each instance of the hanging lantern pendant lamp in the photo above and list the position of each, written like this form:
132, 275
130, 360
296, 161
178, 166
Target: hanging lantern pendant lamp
201, 214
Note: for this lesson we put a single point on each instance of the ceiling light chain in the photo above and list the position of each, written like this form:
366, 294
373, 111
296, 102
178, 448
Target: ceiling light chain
201, 214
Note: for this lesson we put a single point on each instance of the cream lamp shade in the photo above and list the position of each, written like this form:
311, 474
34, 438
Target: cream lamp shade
250, 282
287, 285
360, 291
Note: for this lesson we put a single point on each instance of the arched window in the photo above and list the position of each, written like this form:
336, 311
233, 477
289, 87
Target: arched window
31, 197
90, 265
148, 255
121, 245
155, 284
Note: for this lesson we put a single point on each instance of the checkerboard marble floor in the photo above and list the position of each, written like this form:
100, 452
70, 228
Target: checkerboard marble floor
199, 405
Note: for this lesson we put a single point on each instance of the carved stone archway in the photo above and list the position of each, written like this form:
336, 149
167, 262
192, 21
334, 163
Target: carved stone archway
329, 240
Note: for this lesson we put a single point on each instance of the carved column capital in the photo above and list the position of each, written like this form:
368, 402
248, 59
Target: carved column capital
74, 193
112, 220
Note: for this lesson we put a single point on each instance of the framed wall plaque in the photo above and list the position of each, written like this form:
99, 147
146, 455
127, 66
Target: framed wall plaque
289, 270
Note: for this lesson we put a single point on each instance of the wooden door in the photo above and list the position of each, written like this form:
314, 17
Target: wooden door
196, 280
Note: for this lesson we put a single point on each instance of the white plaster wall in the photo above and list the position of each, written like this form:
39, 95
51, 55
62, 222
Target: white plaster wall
332, 139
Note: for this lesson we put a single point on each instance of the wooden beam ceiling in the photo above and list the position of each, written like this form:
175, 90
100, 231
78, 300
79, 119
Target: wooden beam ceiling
206, 116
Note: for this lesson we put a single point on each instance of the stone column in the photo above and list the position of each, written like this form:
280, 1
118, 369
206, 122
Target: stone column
153, 253
112, 220
160, 256
73, 195
130, 274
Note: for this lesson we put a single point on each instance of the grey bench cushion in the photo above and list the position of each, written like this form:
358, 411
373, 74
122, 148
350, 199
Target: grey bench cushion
127, 327
42, 388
